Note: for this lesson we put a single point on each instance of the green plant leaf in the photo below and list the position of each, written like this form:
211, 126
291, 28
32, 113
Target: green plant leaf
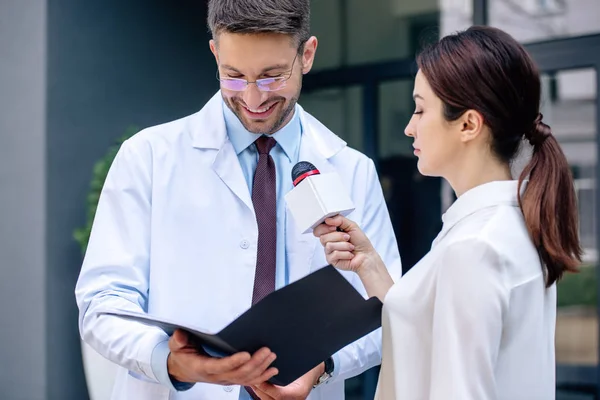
578, 289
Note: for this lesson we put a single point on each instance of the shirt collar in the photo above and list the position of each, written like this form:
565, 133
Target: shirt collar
483, 196
287, 137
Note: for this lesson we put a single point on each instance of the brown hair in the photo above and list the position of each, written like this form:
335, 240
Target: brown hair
486, 70
290, 17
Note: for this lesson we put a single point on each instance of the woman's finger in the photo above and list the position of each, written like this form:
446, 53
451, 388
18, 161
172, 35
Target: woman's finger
343, 223
334, 221
334, 237
330, 247
323, 229
337, 256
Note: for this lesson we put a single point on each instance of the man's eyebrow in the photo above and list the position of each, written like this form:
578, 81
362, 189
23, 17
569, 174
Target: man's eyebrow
270, 68
276, 66
229, 67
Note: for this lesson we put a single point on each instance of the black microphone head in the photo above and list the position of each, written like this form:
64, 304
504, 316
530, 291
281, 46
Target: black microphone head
301, 170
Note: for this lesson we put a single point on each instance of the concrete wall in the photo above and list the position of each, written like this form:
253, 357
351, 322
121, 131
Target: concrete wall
22, 199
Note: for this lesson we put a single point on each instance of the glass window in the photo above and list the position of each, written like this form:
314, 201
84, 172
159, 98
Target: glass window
340, 110
352, 32
396, 108
455, 15
536, 20
569, 103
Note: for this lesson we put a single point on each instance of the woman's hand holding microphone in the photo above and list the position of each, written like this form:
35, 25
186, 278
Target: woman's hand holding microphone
349, 249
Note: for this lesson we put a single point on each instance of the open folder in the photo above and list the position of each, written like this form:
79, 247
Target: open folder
303, 324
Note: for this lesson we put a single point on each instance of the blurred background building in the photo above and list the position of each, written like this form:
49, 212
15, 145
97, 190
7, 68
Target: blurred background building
76, 75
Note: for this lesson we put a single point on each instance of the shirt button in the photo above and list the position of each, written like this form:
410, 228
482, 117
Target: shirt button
244, 244
228, 388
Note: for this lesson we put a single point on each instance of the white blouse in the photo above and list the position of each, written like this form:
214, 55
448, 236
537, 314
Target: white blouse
473, 319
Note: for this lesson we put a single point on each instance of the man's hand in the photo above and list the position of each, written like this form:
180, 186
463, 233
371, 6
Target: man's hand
188, 363
297, 390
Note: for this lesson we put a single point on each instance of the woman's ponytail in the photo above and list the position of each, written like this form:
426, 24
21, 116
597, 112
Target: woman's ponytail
549, 204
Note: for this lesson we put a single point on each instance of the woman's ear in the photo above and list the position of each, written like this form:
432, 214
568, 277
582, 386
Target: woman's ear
471, 125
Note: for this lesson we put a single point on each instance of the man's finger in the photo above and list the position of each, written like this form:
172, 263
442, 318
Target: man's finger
265, 391
255, 367
217, 366
265, 376
260, 370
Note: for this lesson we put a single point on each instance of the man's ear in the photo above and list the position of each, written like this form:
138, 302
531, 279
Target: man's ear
308, 54
213, 48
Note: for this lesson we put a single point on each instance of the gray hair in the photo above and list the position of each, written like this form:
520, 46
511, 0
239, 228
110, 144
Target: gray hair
290, 17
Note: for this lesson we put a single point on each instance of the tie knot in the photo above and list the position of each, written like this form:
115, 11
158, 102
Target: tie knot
264, 144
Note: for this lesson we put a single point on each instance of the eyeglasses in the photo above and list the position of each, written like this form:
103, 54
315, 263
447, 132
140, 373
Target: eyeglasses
264, 85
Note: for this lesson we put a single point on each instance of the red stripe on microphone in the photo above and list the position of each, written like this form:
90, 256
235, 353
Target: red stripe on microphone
305, 175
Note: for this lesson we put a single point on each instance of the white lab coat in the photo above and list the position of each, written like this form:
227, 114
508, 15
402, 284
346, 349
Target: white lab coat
175, 235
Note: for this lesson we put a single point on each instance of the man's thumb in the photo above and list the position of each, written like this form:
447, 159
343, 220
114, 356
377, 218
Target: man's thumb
179, 339
267, 388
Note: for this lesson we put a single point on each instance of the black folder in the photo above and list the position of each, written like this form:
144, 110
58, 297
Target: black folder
303, 323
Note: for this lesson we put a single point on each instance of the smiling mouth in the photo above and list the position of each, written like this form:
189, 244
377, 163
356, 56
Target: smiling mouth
259, 113
259, 110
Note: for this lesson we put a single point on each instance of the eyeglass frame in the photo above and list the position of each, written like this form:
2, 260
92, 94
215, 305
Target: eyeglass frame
257, 82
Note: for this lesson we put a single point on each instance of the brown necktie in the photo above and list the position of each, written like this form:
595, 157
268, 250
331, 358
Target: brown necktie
264, 198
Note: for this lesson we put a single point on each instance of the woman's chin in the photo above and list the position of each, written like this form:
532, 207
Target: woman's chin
422, 167
427, 170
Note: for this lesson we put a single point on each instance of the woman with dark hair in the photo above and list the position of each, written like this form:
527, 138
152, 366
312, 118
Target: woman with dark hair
475, 318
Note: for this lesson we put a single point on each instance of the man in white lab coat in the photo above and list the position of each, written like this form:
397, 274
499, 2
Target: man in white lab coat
192, 224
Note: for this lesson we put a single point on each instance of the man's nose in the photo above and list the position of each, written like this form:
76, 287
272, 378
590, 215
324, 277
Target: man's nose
253, 97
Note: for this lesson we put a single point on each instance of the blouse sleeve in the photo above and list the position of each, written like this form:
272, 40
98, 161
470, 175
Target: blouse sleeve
471, 299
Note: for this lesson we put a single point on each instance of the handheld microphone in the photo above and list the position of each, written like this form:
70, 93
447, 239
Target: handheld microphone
316, 196
302, 170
